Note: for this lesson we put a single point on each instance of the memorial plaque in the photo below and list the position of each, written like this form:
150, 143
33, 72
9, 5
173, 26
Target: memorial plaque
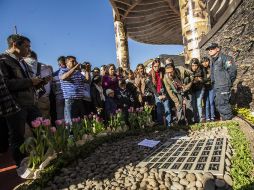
202, 155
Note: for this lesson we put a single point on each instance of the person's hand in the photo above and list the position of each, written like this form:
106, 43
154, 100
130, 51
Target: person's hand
78, 66
36, 81
162, 97
47, 79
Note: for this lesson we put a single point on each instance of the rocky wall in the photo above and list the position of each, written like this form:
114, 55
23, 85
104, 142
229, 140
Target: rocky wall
236, 37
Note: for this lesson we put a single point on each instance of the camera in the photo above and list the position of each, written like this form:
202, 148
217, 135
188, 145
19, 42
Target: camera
85, 66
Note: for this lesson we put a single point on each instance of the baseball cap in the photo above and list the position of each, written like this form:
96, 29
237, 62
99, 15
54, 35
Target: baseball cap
212, 46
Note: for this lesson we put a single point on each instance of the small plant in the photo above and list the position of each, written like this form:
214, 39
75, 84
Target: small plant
92, 124
58, 137
37, 146
117, 120
246, 113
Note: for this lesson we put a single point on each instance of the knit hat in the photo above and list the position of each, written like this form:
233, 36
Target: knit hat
108, 91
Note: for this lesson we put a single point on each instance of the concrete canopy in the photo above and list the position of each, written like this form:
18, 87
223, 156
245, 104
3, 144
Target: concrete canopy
150, 21
158, 21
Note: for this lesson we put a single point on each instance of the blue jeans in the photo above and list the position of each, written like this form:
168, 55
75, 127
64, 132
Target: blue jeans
74, 108
209, 104
163, 108
197, 97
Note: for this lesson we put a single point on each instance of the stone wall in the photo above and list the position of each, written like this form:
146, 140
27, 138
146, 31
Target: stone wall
236, 37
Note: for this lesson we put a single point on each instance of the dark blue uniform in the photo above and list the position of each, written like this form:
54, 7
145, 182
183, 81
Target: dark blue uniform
223, 74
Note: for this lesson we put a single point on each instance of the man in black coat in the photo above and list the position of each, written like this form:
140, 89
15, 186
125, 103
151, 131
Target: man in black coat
21, 86
223, 74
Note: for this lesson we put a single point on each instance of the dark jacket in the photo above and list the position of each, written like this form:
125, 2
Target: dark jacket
96, 98
152, 88
7, 105
207, 79
223, 71
17, 81
125, 98
110, 106
198, 84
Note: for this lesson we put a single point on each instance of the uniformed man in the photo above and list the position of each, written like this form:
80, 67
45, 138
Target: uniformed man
223, 74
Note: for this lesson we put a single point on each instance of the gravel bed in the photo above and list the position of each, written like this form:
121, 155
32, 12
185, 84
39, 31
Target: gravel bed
114, 166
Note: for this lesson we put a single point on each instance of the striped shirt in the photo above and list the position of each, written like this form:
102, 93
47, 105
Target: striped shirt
73, 88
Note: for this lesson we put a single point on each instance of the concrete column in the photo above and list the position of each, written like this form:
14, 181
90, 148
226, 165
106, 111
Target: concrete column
195, 24
122, 51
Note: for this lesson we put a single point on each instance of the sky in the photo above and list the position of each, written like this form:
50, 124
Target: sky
83, 28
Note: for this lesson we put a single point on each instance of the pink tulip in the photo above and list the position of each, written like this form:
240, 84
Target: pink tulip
36, 123
74, 120
98, 119
119, 110
90, 116
40, 119
141, 108
46, 122
137, 109
59, 122
53, 129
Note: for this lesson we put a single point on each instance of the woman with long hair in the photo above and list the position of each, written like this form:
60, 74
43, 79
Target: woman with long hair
197, 88
209, 92
156, 86
110, 80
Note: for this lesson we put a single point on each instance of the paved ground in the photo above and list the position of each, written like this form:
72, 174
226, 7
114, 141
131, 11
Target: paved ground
8, 176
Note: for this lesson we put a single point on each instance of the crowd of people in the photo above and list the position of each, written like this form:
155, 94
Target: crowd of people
179, 94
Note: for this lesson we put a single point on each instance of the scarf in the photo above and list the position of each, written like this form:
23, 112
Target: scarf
158, 82
99, 88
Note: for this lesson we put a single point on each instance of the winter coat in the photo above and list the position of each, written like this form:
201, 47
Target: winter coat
17, 81
223, 71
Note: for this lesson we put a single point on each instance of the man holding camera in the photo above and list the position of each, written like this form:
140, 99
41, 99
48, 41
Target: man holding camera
22, 87
178, 81
72, 84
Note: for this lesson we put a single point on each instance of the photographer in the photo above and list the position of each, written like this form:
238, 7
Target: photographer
21, 86
178, 81
72, 84
86, 72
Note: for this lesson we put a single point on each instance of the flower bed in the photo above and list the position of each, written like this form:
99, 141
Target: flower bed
246, 114
81, 152
241, 168
49, 142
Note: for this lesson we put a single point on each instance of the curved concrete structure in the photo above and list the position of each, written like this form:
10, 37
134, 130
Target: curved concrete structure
150, 21
158, 21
